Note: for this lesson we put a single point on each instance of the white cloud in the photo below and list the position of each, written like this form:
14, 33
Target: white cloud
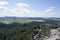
22, 10
50, 12
22, 5
3, 3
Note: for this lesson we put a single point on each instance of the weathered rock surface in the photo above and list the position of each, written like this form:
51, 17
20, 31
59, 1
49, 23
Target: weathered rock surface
54, 34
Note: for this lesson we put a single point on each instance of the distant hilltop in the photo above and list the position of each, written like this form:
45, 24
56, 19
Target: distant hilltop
33, 18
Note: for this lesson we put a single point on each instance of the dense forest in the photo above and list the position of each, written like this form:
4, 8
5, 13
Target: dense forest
18, 31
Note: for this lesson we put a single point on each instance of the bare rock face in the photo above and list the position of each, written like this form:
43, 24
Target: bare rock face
54, 35
57, 39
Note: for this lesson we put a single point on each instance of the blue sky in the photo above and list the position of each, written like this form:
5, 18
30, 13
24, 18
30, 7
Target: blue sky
30, 8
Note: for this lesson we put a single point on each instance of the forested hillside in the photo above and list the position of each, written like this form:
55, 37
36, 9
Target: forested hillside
18, 31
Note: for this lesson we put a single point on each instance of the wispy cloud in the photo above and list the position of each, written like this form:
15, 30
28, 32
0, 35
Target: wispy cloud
22, 10
49, 12
3, 3
22, 5
50, 9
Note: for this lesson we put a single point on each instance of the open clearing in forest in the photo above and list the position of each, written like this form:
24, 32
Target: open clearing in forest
20, 21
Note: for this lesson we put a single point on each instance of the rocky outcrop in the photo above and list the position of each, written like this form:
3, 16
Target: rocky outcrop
54, 34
